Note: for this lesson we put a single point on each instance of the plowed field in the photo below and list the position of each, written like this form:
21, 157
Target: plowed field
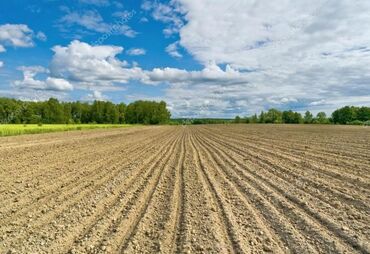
193, 189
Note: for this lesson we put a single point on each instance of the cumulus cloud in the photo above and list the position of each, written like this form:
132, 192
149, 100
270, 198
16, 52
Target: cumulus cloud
58, 84
283, 53
1, 64
18, 35
210, 74
91, 66
32, 83
136, 52
93, 21
95, 96
168, 13
34, 95
172, 50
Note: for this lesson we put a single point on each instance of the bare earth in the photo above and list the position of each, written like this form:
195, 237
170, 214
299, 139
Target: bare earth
194, 189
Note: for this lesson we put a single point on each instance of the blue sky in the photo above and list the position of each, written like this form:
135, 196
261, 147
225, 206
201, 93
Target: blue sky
211, 58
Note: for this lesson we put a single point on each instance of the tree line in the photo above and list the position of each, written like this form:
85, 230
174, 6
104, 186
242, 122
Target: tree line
101, 112
345, 115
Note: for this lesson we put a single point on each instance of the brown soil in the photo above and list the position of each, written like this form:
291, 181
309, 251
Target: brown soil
193, 189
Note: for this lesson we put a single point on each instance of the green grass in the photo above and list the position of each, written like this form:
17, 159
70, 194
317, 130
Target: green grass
20, 129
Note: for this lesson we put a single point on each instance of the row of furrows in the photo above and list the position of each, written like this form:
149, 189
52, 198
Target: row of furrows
57, 166
70, 181
190, 190
120, 231
303, 179
306, 188
226, 224
270, 221
280, 215
324, 138
102, 193
359, 161
329, 137
300, 153
101, 180
26, 163
243, 228
201, 229
160, 217
315, 226
41, 216
354, 186
310, 146
46, 139
313, 152
179, 229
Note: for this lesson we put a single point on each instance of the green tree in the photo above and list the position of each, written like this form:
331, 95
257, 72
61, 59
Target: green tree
122, 111
147, 112
67, 109
321, 118
274, 116
262, 118
52, 112
308, 117
344, 115
363, 114
291, 117
253, 119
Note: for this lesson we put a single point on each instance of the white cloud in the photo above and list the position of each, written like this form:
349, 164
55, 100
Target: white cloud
96, 2
172, 50
90, 66
93, 21
95, 96
283, 53
118, 4
168, 13
58, 84
1, 64
122, 14
210, 74
136, 52
41, 36
31, 83
34, 95
144, 20
16, 35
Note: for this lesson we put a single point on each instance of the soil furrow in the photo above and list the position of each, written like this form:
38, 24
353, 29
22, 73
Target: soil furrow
59, 213
292, 169
71, 185
187, 189
312, 220
263, 208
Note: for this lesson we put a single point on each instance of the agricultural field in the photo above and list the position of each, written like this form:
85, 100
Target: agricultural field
187, 189
20, 129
